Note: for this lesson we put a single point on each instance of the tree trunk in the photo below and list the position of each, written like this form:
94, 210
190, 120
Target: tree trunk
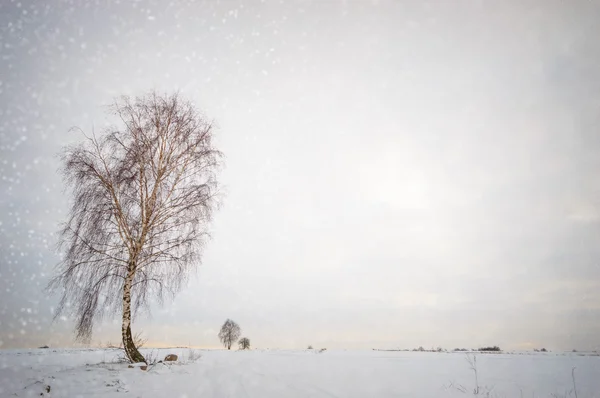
131, 350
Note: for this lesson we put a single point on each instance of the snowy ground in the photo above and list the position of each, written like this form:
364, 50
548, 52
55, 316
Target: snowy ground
264, 374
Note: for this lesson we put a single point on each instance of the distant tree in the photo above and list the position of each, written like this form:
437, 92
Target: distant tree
244, 343
230, 333
494, 348
543, 350
310, 347
143, 195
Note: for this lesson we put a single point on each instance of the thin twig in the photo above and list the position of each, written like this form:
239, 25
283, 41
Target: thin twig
573, 377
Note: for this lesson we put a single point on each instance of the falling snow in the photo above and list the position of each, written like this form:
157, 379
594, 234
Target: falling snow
392, 166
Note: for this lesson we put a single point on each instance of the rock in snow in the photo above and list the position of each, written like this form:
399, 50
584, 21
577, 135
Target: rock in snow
170, 358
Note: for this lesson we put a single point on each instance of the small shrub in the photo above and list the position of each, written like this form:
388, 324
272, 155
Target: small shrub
487, 392
152, 357
193, 355
310, 347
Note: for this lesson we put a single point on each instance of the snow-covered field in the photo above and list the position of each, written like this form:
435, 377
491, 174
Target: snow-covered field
265, 374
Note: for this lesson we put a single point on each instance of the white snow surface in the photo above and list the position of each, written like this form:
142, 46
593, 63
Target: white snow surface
303, 373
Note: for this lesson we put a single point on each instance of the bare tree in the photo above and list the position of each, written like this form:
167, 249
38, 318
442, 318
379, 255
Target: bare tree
143, 196
230, 333
244, 343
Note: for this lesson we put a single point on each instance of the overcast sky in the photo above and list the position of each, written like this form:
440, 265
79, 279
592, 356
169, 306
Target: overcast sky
398, 173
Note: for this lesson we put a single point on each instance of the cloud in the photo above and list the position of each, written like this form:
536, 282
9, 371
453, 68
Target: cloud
585, 214
395, 178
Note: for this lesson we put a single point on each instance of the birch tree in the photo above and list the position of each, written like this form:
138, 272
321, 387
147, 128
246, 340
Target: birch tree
143, 194
230, 332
